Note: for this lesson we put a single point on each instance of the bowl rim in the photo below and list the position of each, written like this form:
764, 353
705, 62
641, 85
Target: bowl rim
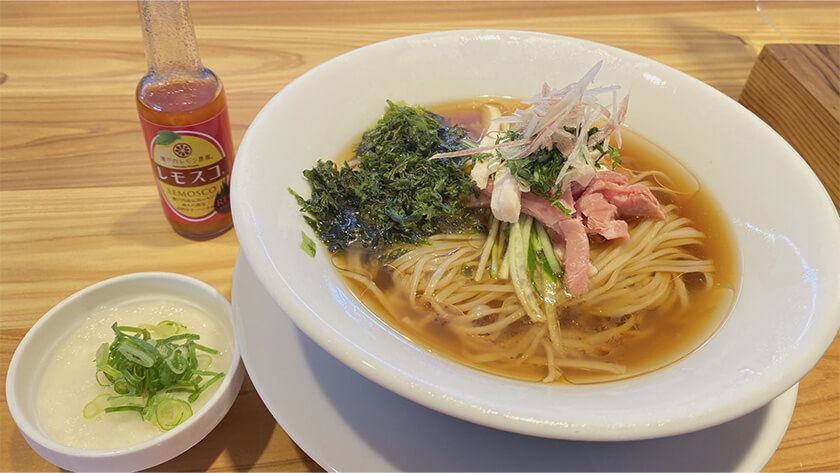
33, 433
254, 249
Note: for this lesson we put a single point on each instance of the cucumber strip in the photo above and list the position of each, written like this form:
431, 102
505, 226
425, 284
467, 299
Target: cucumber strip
548, 251
494, 260
519, 271
504, 271
488, 246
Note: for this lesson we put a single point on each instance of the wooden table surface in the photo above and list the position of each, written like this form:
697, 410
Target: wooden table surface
78, 204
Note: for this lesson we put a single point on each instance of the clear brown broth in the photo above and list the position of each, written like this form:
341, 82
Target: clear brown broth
668, 335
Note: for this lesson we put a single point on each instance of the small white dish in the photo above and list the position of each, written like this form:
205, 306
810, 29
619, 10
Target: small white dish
347, 423
33, 352
787, 310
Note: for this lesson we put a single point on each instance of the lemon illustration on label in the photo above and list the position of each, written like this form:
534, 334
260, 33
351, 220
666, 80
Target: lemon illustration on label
191, 173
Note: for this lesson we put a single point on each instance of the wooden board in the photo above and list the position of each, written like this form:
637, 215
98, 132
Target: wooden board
795, 88
78, 203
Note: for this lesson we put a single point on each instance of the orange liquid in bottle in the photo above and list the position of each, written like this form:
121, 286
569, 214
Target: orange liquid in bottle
183, 113
184, 104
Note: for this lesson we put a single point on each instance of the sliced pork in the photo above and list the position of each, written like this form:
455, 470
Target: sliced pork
635, 201
597, 208
631, 201
575, 255
542, 210
607, 177
600, 217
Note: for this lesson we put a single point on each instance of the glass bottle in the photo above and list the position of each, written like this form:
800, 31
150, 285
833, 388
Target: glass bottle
183, 112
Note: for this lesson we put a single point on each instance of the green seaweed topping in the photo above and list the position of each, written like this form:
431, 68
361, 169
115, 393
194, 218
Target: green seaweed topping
396, 194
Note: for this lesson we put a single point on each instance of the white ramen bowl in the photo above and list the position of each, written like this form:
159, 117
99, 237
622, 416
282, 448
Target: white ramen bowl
787, 309
48, 334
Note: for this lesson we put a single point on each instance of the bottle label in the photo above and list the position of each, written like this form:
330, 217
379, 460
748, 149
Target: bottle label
192, 168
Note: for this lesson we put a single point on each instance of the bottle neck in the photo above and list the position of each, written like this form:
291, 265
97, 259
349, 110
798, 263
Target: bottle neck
171, 48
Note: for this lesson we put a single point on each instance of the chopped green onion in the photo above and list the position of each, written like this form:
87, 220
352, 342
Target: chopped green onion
206, 385
125, 328
165, 350
175, 338
170, 326
170, 412
121, 386
137, 399
207, 349
137, 367
124, 408
206, 373
102, 379
176, 362
102, 354
203, 361
95, 407
164, 329
91, 410
136, 354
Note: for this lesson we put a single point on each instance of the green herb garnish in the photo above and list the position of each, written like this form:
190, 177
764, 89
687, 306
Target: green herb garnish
611, 152
539, 170
307, 245
396, 194
614, 157
145, 373
559, 205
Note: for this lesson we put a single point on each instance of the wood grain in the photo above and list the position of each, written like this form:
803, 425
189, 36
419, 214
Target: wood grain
804, 81
78, 204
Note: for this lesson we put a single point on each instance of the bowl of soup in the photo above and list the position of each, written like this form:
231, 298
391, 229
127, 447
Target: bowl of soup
540, 234
125, 374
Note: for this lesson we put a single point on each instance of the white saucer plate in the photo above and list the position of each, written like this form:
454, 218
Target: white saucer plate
348, 423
